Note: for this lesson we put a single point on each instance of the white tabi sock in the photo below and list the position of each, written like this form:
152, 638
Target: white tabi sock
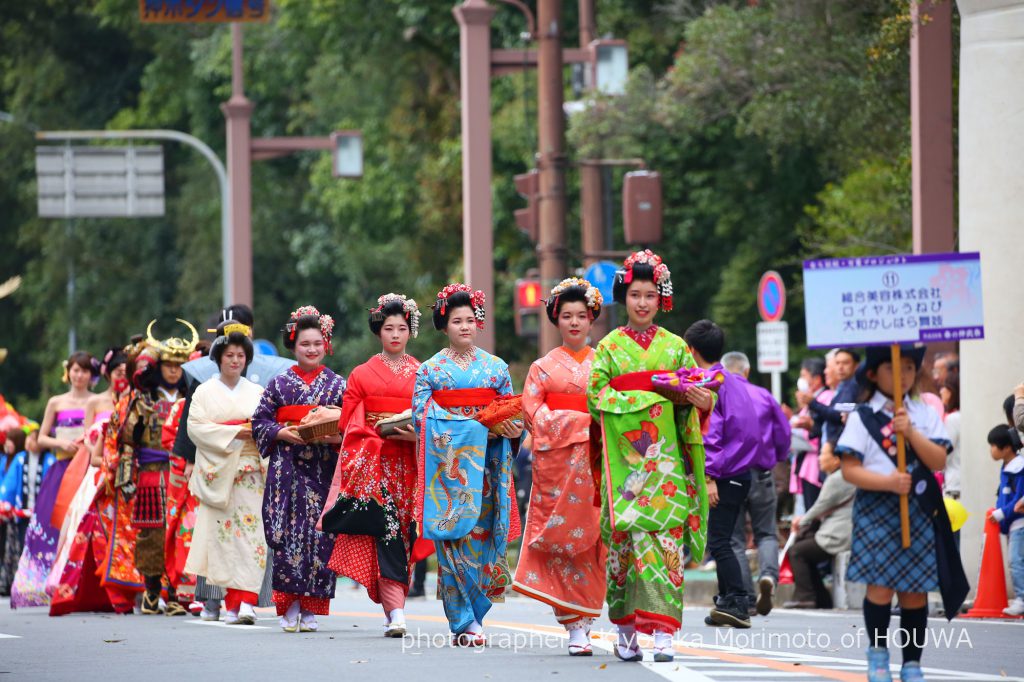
396, 616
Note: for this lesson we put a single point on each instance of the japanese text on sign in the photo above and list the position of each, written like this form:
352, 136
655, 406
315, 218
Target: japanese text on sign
772, 347
203, 11
893, 299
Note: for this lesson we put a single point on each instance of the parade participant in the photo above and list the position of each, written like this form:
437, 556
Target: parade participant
300, 473
371, 504
868, 447
26, 466
654, 503
159, 383
762, 500
466, 507
732, 441
261, 370
228, 544
76, 586
61, 432
561, 562
182, 506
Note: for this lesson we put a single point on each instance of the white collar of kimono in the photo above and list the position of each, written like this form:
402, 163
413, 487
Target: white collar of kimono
238, 386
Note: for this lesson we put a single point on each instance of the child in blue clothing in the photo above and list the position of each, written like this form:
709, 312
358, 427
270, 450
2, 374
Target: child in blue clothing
1010, 520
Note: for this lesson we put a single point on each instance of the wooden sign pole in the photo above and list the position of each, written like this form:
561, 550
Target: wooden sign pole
901, 445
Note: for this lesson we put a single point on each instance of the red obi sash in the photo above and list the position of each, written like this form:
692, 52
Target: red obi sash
292, 414
465, 397
236, 422
634, 381
387, 403
566, 401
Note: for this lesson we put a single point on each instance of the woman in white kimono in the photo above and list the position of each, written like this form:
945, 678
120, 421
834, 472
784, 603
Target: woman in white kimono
228, 545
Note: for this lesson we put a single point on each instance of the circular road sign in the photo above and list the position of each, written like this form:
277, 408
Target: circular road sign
602, 275
771, 297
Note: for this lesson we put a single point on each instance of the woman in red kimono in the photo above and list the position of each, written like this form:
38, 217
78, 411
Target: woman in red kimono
562, 559
371, 501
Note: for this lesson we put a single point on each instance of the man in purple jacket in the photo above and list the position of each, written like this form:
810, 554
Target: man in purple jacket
762, 500
731, 446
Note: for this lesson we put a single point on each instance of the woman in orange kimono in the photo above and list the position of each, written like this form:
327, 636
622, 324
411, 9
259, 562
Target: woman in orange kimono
562, 558
371, 502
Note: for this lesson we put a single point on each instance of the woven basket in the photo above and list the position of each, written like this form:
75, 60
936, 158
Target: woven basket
308, 432
672, 396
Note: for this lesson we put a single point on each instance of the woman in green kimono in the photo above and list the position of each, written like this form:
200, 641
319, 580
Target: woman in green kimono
654, 502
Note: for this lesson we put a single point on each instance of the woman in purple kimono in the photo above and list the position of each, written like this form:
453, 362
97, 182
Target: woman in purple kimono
300, 473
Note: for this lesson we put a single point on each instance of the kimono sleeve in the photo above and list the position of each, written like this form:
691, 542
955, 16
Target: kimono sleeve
855, 439
353, 397
205, 432
504, 385
264, 420
534, 393
421, 393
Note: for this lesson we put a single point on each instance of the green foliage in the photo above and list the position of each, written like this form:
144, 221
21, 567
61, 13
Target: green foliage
779, 128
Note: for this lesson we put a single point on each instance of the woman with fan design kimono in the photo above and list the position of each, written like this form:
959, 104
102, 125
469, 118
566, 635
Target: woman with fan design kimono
466, 507
654, 504
371, 504
561, 562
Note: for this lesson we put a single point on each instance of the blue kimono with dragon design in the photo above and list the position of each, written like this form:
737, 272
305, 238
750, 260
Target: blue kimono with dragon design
466, 505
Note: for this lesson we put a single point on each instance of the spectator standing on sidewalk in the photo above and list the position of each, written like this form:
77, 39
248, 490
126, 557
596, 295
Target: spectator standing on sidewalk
731, 446
762, 500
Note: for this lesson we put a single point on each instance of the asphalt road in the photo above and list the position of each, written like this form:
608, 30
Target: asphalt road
524, 645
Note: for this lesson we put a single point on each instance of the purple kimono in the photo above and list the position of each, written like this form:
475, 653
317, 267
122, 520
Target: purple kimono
298, 480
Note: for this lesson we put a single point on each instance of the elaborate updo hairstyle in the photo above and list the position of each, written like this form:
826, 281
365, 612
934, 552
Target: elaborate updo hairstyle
232, 338
395, 304
457, 296
293, 329
573, 290
644, 266
642, 272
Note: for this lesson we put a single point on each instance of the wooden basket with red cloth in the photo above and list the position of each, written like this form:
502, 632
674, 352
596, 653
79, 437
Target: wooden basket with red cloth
319, 423
501, 409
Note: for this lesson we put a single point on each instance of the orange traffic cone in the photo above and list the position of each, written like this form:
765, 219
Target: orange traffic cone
991, 597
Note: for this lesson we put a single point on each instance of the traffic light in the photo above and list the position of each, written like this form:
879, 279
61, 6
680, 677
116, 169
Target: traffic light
528, 306
641, 207
528, 219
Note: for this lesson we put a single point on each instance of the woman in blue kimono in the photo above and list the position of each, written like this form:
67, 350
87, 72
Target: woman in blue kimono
466, 506
299, 473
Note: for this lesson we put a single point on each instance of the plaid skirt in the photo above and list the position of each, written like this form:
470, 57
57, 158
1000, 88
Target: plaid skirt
877, 556
207, 591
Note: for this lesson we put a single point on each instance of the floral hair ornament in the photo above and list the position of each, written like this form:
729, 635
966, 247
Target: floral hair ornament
409, 307
476, 300
592, 295
233, 327
326, 324
662, 276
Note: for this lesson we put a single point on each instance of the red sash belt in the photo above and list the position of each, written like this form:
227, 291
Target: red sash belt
292, 413
465, 397
566, 401
387, 403
635, 381
234, 422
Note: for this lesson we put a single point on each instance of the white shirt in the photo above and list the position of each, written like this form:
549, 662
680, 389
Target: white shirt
952, 473
856, 438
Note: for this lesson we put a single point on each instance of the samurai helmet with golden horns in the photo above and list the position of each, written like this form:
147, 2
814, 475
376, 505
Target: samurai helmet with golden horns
173, 349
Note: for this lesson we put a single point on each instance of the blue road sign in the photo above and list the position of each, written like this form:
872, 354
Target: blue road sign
264, 347
602, 274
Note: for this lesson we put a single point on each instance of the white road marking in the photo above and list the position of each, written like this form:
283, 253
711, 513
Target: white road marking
222, 624
3, 636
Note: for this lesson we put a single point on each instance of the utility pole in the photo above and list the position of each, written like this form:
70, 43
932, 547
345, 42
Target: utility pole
238, 112
551, 161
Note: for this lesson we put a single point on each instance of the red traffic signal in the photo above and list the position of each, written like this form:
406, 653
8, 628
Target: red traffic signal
528, 294
528, 219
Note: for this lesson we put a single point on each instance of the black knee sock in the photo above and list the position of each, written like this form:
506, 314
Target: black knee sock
876, 620
913, 623
153, 584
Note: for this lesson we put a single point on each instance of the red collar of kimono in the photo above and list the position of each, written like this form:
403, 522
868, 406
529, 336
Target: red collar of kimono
645, 338
310, 376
